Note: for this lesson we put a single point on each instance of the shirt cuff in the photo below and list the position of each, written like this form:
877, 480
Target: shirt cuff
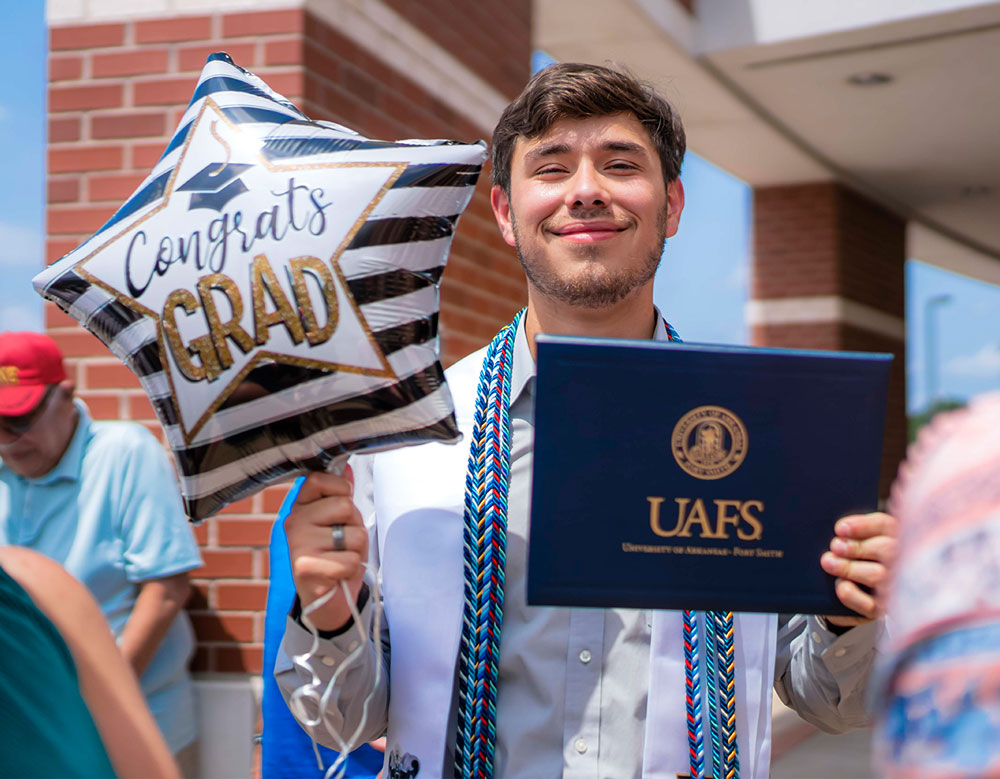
296, 614
331, 651
844, 650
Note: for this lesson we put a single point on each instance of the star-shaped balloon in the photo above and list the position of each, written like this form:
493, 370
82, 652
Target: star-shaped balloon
273, 283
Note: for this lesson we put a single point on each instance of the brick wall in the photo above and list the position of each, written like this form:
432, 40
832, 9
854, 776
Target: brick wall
117, 91
826, 240
491, 37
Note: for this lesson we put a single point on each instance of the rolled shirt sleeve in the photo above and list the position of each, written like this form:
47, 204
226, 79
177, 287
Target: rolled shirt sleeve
357, 682
823, 676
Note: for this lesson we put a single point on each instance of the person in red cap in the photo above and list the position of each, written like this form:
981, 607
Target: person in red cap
31, 379
101, 499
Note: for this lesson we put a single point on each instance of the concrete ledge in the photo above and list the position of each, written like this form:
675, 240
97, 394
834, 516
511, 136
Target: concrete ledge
227, 709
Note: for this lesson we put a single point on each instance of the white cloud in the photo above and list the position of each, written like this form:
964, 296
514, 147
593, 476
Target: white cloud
20, 247
983, 364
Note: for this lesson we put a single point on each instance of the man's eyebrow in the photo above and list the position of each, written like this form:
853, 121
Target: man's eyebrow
547, 150
557, 147
624, 146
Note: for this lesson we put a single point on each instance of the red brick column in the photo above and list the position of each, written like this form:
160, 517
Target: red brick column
828, 274
117, 90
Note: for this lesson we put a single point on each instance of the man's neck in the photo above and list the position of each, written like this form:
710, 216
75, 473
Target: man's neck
634, 317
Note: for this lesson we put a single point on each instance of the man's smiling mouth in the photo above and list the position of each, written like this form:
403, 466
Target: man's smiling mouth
589, 231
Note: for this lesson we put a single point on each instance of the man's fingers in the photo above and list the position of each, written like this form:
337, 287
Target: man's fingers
320, 484
316, 575
870, 574
862, 526
331, 510
879, 549
856, 599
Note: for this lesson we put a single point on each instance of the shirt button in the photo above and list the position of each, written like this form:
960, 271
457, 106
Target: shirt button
353, 645
580, 745
328, 661
585, 656
816, 636
840, 653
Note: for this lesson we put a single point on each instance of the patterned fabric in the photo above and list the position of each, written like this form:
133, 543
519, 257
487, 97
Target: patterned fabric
370, 223
939, 682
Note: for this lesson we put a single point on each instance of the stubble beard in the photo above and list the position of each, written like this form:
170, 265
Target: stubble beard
594, 285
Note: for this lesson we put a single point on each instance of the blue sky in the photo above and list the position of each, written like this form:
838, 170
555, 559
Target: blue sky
22, 160
702, 285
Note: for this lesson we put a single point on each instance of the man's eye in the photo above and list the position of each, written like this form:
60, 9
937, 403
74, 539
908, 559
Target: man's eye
548, 171
623, 166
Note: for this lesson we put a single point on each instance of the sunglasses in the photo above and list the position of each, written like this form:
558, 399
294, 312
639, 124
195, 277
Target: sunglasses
17, 426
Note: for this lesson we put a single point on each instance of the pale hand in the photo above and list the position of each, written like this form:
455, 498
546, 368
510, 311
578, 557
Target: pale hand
860, 553
324, 501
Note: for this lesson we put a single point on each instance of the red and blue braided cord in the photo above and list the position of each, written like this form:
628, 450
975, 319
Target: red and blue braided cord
485, 538
692, 696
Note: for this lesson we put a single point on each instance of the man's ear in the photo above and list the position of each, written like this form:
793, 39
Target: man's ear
501, 210
675, 204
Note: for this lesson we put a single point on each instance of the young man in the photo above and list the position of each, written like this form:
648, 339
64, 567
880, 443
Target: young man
101, 499
585, 171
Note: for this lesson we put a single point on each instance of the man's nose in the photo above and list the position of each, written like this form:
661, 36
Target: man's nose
587, 189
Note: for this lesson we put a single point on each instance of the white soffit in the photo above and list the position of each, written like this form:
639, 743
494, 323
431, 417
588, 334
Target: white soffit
924, 145
631, 33
927, 245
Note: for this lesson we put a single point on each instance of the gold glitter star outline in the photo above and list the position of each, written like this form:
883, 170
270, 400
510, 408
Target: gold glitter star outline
261, 355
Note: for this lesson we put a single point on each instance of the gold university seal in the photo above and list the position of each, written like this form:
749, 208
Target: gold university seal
709, 442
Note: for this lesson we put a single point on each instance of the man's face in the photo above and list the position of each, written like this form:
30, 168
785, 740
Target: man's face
38, 449
588, 210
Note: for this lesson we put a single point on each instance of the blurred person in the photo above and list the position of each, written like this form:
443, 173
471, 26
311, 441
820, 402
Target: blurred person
939, 682
586, 165
70, 705
101, 499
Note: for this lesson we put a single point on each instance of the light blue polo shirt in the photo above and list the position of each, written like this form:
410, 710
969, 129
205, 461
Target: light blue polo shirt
110, 512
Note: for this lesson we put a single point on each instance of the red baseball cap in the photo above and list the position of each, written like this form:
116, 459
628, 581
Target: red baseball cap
29, 362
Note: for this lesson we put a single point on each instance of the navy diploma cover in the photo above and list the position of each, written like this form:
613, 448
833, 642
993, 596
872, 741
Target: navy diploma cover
679, 476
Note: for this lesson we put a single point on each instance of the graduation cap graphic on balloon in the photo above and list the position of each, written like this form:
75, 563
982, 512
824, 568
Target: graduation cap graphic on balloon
273, 283
215, 185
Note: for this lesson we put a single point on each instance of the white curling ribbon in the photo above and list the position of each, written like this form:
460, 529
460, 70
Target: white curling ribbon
309, 690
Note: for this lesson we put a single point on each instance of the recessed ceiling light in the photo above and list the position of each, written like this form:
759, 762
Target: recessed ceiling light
869, 79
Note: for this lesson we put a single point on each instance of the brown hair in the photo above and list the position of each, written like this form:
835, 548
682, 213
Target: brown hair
575, 90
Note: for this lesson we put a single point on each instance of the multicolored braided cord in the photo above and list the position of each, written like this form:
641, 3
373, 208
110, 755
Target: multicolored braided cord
485, 543
485, 537
692, 696
724, 633
711, 662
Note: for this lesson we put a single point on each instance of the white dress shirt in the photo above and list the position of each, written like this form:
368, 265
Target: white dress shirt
573, 682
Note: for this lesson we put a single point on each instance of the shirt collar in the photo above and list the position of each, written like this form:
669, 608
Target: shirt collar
522, 372
69, 465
